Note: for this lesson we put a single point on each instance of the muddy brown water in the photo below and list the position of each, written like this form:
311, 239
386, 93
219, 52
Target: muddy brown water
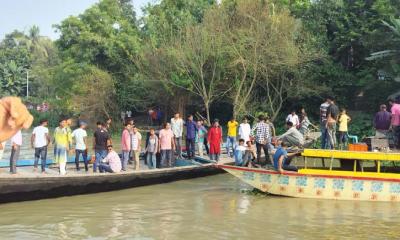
217, 207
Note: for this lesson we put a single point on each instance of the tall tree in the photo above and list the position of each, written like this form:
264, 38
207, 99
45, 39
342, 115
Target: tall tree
106, 36
264, 42
193, 60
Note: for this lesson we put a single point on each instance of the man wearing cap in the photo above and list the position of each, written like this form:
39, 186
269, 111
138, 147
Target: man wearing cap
80, 135
382, 121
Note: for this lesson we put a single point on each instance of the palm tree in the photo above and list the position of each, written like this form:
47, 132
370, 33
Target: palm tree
395, 28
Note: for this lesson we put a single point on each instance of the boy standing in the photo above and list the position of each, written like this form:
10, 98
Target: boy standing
81, 145
231, 138
344, 119
39, 140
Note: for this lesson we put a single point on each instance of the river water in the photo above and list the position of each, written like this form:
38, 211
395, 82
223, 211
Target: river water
216, 207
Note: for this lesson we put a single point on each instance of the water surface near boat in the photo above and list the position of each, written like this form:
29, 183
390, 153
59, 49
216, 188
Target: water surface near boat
217, 207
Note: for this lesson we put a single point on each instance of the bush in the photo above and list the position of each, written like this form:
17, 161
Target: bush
361, 124
51, 116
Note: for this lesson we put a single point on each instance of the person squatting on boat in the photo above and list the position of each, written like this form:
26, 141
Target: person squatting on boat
292, 137
111, 163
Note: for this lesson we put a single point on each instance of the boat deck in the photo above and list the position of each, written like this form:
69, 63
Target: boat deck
28, 171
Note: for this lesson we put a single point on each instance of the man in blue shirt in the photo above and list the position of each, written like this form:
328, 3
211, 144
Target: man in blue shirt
190, 136
281, 160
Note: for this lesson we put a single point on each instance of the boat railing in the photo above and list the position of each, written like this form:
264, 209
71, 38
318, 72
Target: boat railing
357, 157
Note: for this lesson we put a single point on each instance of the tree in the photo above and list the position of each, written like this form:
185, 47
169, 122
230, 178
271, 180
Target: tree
94, 94
193, 60
14, 60
106, 36
12, 79
160, 24
390, 56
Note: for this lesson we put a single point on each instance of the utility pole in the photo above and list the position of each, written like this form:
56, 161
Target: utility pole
27, 83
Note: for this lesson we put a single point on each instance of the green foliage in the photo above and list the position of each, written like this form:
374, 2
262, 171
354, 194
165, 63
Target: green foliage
105, 36
162, 21
12, 78
255, 55
14, 60
361, 125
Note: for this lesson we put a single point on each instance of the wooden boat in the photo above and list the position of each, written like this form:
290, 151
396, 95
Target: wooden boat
361, 176
30, 186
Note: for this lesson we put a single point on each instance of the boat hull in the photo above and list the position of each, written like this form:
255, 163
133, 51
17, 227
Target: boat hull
299, 185
19, 188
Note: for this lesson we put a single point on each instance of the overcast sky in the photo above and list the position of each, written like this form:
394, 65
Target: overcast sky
22, 14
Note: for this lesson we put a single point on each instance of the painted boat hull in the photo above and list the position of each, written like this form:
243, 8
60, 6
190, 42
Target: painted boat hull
299, 185
14, 189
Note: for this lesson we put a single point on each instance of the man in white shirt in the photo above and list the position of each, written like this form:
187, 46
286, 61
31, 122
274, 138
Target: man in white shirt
292, 117
39, 140
80, 136
177, 128
244, 130
136, 139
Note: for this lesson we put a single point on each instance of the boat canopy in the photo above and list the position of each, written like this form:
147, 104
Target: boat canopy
351, 155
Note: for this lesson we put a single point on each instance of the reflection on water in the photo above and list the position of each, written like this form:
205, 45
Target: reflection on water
204, 208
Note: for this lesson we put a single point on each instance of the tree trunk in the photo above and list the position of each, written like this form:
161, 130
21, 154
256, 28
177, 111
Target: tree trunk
207, 106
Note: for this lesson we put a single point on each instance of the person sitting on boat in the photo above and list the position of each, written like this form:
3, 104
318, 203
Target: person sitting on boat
250, 154
111, 163
240, 151
281, 159
292, 136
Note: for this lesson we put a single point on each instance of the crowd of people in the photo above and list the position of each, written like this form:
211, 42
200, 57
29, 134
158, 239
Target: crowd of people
161, 146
